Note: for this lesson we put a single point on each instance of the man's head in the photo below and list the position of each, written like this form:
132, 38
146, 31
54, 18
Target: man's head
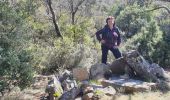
110, 20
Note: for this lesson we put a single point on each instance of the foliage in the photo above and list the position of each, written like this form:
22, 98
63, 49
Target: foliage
165, 27
146, 35
28, 39
15, 66
63, 53
150, 42
131, 19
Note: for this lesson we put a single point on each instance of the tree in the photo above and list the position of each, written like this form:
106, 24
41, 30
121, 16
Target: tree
146, 35
15, 59
75, 8
73, 5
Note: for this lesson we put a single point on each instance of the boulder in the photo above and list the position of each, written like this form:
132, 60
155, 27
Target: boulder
88, 96
138, 65
129, 85
118, 66
71, 94
88, 89
54, 87
98, 71
69, 84
80, 74
65, 75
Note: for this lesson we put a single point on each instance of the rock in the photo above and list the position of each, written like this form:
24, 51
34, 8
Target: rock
97, 71
110, 91
88, 96
164, 86
140, 67
129, 85
103, 93
159, 71
106, 97
103, 97
80, 74
78, 98
118, 66
88, 89
69, 84
70, 95
67, 81
65, 75
54, 87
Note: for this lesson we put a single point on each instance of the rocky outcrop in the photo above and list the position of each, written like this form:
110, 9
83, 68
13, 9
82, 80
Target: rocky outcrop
132, 63
140, 67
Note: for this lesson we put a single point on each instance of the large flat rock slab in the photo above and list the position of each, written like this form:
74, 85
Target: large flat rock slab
129, 85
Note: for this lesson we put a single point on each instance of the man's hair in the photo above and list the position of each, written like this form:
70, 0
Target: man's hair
109, 17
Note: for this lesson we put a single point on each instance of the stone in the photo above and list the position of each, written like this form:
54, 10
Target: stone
80, 74
69, 84
70, 95
110, 91
78, 98
159, 71
88, 96
97, 71
65, 75
129, 85
103, 97
54, 87
133, 64
118, 66
106, 97
88, 89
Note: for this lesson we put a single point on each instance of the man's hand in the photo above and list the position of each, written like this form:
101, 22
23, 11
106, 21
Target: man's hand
115, 46
102, 41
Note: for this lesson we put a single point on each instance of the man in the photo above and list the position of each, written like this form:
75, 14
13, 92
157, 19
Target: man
109, 39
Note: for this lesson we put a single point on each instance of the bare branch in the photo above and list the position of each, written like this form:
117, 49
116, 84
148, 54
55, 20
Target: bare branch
79, 4
74, 9
166, 8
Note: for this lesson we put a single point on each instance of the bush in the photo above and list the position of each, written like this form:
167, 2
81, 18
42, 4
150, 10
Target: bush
146, 36
132, 19
15, 67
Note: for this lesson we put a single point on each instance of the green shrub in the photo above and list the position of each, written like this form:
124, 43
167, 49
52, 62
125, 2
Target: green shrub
15, 66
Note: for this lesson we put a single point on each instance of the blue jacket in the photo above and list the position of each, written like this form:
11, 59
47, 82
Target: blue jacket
111, 37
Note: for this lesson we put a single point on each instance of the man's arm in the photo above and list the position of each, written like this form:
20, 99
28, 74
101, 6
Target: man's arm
98, 35
119, 38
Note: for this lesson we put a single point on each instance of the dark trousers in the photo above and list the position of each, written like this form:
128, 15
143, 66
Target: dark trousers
105, 50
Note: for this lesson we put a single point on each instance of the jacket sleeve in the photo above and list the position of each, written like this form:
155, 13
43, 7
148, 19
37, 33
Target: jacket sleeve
119, 37
99, 38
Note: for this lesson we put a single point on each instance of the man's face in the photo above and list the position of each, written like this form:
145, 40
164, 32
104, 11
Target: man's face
111, 21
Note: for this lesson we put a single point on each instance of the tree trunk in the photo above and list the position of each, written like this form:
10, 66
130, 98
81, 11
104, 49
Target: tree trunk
54, 19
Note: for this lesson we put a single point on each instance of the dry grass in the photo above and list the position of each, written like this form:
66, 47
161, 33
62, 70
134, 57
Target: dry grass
145, 96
